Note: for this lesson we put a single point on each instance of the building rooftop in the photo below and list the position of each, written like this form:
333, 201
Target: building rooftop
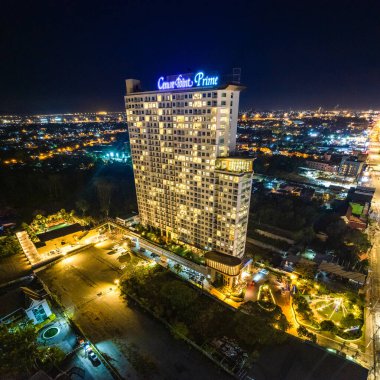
54, 234
339, 271
137, 88
222, 258
357, 209
11, 301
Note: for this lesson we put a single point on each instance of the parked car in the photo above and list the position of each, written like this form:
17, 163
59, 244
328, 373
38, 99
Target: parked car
92, 356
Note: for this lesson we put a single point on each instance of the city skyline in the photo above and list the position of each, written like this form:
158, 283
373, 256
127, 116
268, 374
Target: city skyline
250, 222
190, 190
70, 57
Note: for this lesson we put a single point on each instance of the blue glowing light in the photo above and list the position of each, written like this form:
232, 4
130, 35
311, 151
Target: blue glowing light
187, 81
257, 277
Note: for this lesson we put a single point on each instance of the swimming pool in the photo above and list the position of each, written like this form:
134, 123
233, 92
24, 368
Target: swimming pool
57, 227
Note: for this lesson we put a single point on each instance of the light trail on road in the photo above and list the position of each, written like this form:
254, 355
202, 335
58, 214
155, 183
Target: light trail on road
373, 312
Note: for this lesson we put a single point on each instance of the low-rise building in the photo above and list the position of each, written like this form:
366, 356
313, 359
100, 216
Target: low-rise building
361, 194
351, 167
24, 303
357, 215
322, 166
227, 268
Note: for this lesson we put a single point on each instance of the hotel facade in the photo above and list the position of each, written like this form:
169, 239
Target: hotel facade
189, 184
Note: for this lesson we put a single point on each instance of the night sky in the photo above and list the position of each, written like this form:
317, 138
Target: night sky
73, 55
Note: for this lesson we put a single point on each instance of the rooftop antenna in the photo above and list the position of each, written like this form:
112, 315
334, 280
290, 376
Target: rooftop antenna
236, 74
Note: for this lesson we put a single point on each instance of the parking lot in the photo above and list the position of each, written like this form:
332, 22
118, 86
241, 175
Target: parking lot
85, 285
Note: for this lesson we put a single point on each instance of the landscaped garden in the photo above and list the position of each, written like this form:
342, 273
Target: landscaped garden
340, 314
51, 332
155, 236
265, 298
41, 224
185, 252
330, 307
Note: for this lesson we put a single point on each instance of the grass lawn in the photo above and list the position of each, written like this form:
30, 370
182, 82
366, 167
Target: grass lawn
328, 311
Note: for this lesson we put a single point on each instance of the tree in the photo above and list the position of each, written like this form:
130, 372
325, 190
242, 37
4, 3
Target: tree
9, 246
179, 330
328, 325
210, 319
62, 214
177, 268
336, 230
349, 321
55, 185
39, 222
358, 239
20, 353
179, 296
82, 205
302, 305
104, 191
306, 235
302, 331
306, 269
257, 328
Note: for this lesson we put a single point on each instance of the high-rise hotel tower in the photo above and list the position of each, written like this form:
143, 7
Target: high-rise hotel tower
188, 183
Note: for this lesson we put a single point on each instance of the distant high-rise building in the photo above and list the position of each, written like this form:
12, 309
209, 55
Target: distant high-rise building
188, 183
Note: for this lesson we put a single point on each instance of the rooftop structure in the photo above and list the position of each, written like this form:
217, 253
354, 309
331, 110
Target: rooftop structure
337, 270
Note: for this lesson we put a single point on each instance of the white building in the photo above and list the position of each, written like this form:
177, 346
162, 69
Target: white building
322, 166
182, 136
24, 302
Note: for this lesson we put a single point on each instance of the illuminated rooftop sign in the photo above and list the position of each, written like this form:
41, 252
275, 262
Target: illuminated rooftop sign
187, 81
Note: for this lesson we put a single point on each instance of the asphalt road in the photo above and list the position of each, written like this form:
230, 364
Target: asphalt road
84, 284
374, 310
